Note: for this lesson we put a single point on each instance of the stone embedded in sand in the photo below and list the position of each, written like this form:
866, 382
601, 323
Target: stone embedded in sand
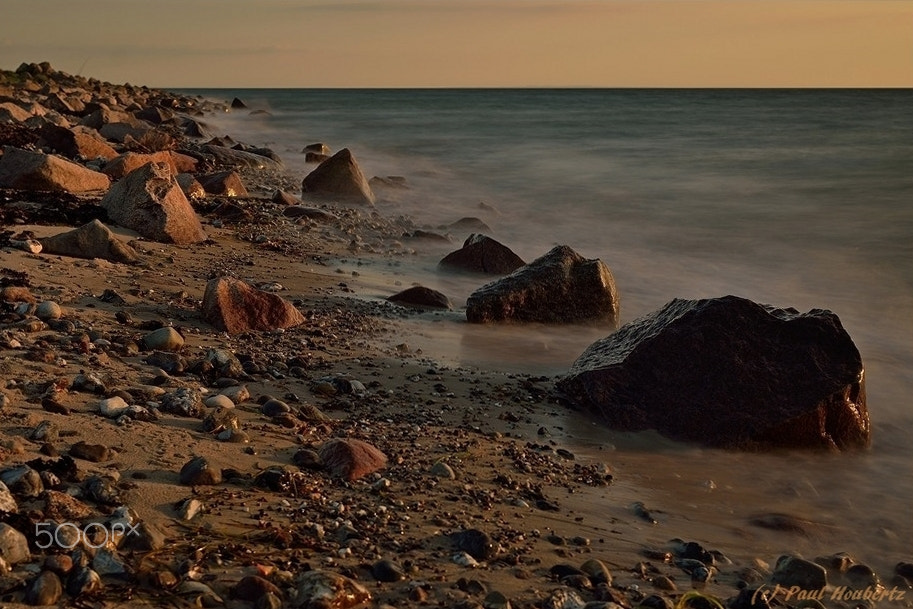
351, 459
149, 201
27, 170
92, 240
234, 306
12, 293
420, 296
482, 254
199, 472
96, 453
326, 590
339, 177
560, 287
284, 198
226, 183
14, 547
728, 372
163, 339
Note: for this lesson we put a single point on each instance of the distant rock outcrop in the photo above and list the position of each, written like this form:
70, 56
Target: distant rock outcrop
728, 372
234, 306
560, 287
92, 240
150, 201
482, 254
27, 170
339, 177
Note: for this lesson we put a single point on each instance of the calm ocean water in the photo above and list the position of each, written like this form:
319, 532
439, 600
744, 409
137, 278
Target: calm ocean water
798, 198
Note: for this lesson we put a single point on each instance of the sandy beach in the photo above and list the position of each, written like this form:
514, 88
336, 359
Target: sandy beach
495, 493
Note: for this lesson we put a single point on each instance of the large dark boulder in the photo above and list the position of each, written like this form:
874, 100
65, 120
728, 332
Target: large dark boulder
728, 372
482, 254
560, 287
339, 177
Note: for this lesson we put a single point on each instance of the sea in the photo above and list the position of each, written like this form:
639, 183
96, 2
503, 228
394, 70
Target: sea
791, 197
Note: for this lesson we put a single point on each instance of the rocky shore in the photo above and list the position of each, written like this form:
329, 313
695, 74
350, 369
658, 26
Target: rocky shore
196, 408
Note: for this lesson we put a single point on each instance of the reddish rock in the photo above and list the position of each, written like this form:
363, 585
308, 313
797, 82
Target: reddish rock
227, 183
77, 142
234, 306
26, 170
13, 113
127, 162
192, 188
728, 372
351, 459
92, 240
284, 198
482, 254
149, 201
339, 177
560, 287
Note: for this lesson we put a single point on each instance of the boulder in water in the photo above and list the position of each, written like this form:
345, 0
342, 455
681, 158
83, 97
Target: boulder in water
482, 254
339, 177
728, 372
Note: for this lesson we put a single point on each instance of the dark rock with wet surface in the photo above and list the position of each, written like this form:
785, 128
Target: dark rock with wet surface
728, 372
339, 177
482, 254
421, 297
795, 571
560, 287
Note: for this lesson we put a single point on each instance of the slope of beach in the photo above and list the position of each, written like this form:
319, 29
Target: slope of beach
478, 462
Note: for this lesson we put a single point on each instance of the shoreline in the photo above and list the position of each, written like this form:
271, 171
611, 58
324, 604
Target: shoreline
485, 426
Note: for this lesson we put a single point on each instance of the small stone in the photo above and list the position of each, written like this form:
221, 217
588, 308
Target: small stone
495, 600
319, 588
163, 339
387, 571
312, 414
221, 419
661, 582
274, 408
45, 431
236, 393
185, 402
83, 581
219, 401
7, 501
113, 407
106, 562
198, 472
46, 589
860, 577
442, 470
61, 564
190, 509
351, 459
597, 571
96, 453
307, 458
48, 310
465, 560
477, 543
14, 547
252, 587
795, 571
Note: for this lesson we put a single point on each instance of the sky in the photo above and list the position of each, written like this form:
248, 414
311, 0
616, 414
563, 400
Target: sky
467, 43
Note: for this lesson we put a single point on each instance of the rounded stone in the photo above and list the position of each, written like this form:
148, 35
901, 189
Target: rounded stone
274, 408
46, 589
113, 407
164, 339
48, 310
199, 472
219, 401
387, 571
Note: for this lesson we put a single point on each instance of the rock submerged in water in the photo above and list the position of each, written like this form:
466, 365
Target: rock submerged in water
420, 297
560, 287
339, 177
482, 254
730, 373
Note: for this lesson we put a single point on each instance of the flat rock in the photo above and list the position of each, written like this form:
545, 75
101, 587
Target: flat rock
150, 201
27, 170
560, 287
729, 372
92, 240
351, 459
240, 158
421, 297
339, 177
234, 306
482, 254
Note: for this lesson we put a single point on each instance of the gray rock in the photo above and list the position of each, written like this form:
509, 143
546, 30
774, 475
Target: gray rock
728, 372
442, 470
185, 402
221, 419
219, 401
560, 287
273, 408
421, 297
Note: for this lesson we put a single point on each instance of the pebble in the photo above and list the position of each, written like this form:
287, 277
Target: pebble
320, 588
253, 587
46, 589
89, 383
465, 560
14, 547
48, 310
236, 393
795, 571
273, 408
860, 577
597, 571
310, 413
495, 600
442, 470
190, 509
7, 501
198, 472
387, 571
45, 431
661, 582
220, 400
96, 453
476, 543
113, 407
